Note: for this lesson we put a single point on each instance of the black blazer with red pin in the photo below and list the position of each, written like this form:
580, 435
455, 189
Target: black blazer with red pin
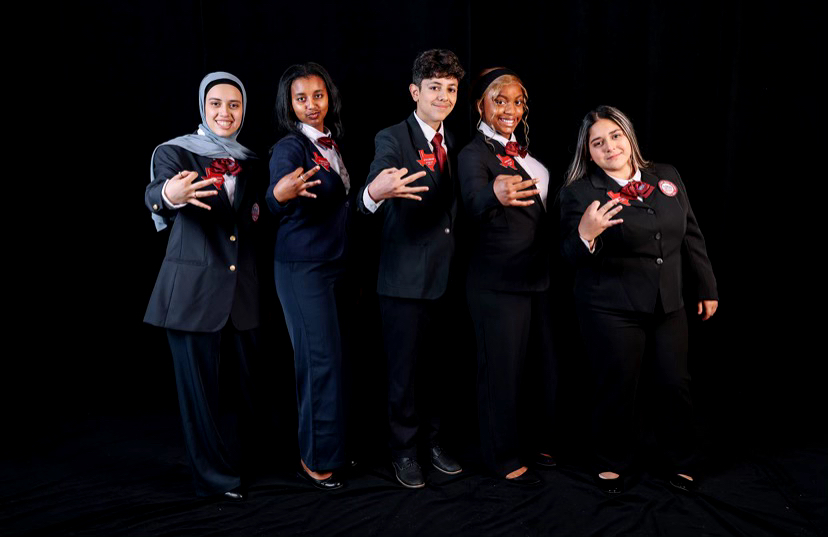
643, 258
417, 241
511, 245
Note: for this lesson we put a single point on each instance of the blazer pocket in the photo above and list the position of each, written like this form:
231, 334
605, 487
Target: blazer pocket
188, 244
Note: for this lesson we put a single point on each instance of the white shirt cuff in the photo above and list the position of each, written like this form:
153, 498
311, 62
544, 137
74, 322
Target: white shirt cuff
370, 204
167, 202
586, 243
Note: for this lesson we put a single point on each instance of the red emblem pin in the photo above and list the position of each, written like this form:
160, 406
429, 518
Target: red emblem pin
427, 159
254, 212
213, 173
668, 188
321, 161
613, 195
506, 162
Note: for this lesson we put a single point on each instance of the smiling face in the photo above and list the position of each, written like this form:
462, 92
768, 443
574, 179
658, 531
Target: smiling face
610, 149
223, 109
309, 98
435, 98
503, 110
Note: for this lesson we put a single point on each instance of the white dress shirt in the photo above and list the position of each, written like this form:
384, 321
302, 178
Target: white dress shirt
533, 167
331, 155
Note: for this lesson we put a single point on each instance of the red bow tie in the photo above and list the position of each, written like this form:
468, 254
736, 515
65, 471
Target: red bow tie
514, 149
226, 166
327, 142
636, 189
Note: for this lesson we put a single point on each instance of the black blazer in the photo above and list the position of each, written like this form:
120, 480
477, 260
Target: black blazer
417, 242
642, 258
310, 229
209, 270
510, 249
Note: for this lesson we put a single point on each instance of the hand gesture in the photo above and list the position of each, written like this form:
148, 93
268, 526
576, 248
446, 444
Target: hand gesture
295, 184
509, 190
707, 308
181, 189
598, 217
390, 183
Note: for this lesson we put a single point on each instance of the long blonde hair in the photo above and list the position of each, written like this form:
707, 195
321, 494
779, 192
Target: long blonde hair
580, 161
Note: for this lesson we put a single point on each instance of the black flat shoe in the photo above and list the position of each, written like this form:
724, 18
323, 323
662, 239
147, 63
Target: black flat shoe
444, 462
235, 495
682, 483
330, 483
610, 486
545, 460
408, 472
526, 479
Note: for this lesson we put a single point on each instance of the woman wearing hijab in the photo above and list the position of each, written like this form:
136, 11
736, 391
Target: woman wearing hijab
308, 193
504, 190
207, 288
628, 229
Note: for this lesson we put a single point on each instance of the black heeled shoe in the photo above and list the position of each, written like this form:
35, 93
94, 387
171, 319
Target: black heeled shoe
610, 486
526, 479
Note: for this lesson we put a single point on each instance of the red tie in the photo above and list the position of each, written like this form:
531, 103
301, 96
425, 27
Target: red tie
327, 143
437, 142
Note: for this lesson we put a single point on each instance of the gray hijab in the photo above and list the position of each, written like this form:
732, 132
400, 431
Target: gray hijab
208, 144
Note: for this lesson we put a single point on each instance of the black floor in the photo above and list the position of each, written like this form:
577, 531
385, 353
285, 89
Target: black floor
129, 476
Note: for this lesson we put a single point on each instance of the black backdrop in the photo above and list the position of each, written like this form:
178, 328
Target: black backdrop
731, 94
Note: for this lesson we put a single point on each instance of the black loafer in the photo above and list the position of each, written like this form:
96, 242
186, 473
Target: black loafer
545, 460
444, 462
408, 472
526, 479
682, 483
610, 486
235, 495
330, 483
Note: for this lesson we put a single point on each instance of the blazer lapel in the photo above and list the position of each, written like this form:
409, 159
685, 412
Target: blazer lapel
510, 164
424, 152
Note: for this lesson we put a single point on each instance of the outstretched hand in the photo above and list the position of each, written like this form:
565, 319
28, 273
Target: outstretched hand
295, 184
597, 218
390, 183
509, 190
181, 189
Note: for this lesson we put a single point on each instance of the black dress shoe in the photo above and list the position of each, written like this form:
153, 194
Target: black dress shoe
235, 495
330, 483
526, 479
408, 472
545, 461
610, 486
682, 483
444, 462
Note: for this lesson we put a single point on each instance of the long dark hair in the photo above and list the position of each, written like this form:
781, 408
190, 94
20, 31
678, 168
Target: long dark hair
286, 119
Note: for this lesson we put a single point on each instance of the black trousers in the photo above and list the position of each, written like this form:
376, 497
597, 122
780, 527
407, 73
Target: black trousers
620, 346
414, 333
211, 446
312, 296
516, 376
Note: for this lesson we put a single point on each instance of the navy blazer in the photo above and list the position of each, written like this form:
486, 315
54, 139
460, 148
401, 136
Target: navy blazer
417, 242
642, 258
209, 271
511, 246
310, 229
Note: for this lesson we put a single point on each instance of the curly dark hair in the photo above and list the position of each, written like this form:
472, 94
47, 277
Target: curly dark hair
286, 118
436, 63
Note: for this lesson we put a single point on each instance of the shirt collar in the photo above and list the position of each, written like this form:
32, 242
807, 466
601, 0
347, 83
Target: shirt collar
312, 133
428, 132
636, 177
491, 133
